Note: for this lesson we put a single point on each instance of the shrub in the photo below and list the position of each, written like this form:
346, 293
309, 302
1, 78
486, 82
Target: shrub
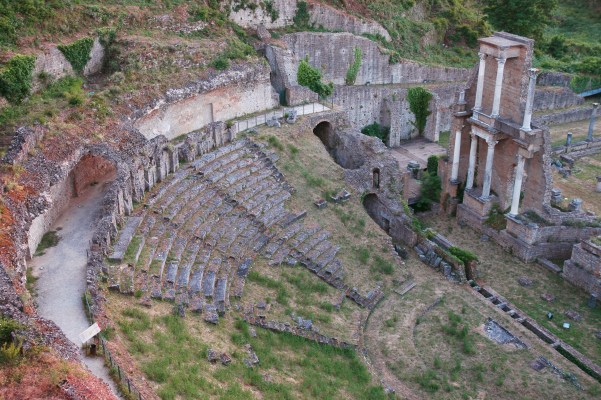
429, 192
78, 53
463, 255
433, 165
310, 77
221, 63
419, 99
353, 69
7, 327
302, 17
376, 130
15, 78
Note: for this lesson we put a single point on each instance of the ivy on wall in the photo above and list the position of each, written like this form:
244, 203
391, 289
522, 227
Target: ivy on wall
78, 53
16, 78
419, 99
353, 69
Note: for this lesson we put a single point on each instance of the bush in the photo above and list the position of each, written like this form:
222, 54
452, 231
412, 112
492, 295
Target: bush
78, 53
221, 63
302, 17
15, 78
463, 255
419, 99
376, 130
310, 77
429, 192
433, 165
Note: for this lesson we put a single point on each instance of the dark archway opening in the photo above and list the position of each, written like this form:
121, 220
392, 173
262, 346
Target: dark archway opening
345, 153
377, 211
376, 178
325, 132
91, 171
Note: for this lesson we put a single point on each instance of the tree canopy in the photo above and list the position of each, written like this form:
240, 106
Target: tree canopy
525, 18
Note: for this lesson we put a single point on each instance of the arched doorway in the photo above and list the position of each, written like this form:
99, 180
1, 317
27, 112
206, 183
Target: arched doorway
376, 178
325, 132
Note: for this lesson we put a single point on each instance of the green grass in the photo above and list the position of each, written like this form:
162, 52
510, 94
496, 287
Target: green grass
382, 266
132, 249
50, 239
174, 358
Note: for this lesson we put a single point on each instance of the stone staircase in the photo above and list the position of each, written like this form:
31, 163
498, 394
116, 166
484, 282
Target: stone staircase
201, 230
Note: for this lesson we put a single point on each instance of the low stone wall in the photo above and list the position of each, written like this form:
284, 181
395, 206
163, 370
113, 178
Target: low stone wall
553, 98
578, 150
566, 116
330, 18
554, 79
243, 89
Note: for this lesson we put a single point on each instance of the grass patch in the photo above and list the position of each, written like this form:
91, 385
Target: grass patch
382, 266
50, 239
132, 249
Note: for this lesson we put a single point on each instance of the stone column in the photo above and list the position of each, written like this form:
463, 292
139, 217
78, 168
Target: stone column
456, 153
532, 73
569, 139
517, 185
490, 155
472, 164
591, 125
498, 87
598, 188
480, 86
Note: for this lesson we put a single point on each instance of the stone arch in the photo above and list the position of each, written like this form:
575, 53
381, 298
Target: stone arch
341, 148
90, 171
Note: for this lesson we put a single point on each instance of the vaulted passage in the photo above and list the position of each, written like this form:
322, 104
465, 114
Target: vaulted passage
377, 211
344, 153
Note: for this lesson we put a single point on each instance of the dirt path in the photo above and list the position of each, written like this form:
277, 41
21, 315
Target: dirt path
61, 274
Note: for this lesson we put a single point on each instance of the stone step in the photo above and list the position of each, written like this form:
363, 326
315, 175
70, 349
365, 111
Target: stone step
125, 237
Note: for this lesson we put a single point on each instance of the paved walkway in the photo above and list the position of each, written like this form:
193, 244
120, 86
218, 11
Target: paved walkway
62, 274
261, 119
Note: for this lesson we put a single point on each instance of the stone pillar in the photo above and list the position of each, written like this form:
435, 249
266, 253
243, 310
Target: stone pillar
517, 185
456, 153
591, 125
498, 87
598, 188
575, 204
556, 197
461, 96
532, 73
569, 139
472, 164
480, 86
490, 155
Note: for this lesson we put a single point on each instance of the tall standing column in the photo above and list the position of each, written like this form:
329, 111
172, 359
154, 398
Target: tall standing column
591, 125
498, 87
472, 164
517, 185
480, 86
490, 155
456, 152
532, 73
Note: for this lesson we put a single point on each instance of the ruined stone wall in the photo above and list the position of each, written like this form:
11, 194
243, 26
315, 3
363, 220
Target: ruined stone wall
552, 98
244, 89
583, 269
333, 53
321, 16
565, 116
388, 106
52, 62
91, 170
553, 79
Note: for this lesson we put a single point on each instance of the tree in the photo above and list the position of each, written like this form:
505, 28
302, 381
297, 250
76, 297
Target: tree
310, 77
419, 99
525, 18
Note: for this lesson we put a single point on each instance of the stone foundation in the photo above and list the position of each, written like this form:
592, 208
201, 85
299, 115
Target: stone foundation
583, 269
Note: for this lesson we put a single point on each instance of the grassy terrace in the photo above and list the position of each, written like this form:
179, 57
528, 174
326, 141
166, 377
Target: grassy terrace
581, 183
500, 270
172, 353
366, 250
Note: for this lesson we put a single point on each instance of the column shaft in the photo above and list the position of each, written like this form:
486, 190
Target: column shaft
591, 125
472, 163
456, 153
532, 72
490, 155
498, 87
517, 185
480, 85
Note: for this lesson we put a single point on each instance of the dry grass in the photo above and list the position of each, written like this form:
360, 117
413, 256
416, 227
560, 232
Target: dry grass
582, 182
579, 130
424, 359
500, 270
366, 250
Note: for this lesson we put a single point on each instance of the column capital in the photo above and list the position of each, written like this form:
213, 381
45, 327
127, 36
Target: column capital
491, 142
533, 72
501, 60
482, 55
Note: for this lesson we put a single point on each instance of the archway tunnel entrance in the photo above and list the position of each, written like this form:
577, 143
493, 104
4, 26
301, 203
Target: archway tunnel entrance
343, 150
